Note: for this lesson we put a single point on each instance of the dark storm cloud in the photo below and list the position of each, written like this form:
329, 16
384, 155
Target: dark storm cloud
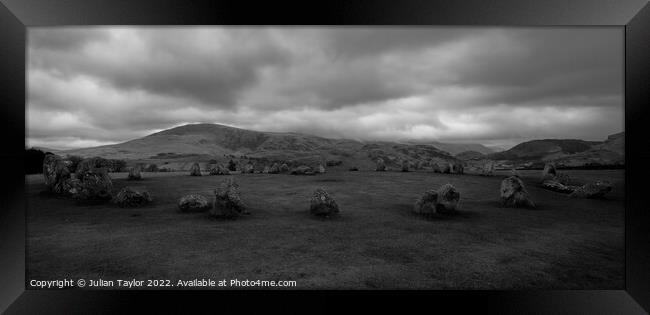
96, 85
211, 68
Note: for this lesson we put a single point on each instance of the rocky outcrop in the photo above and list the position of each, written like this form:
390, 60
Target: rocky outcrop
195, 170
322, 204
132, 197
193, 203
227, 200
593, 190
514, 194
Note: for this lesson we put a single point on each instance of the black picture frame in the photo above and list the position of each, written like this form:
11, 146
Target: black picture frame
16, 15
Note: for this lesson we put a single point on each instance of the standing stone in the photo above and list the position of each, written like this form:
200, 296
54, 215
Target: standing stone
284, 168
275, 169
445, 168
134, 173
514, 194
302, 170
227, 201
93, 184
456, 168
86, 166
193, 203
549, 172
195, 170
448, 198
321, 169
488, 168
266, 169
132, 197
435, 167
405, 166
219, 170
427, 203
56, 173
381, 165
593, 190
322, 204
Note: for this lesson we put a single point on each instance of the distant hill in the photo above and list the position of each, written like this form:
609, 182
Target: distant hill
455, 148
469, 155
212, 141
181, 146
567, 152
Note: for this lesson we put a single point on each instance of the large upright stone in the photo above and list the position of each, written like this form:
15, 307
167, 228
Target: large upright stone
488, 168
227, 200
134, 173
457, 167
435, 167
448, 199
195, 170
427, 203
514, 194
92, 184
549, 172
274, 169
56, 174
321, 169
322, 204
248, 168
381, 165
284, 168
405, 166
219, 169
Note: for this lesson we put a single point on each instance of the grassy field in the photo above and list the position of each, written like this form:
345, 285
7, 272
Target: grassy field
376, 242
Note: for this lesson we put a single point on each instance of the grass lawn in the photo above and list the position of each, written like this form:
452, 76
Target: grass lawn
376, 242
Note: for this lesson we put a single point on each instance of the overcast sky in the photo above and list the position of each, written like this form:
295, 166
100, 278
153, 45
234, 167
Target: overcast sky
91, 86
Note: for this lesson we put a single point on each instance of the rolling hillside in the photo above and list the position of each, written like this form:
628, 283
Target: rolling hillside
203, 142
567, 152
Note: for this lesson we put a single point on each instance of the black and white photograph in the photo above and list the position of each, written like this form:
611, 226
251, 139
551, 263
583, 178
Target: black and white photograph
330, 157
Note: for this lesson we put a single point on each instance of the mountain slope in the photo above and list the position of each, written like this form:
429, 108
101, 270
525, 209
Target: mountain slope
567, 152
455, 148
212, 141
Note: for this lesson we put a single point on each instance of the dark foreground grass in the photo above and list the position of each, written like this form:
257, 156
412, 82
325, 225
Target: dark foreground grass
376, 242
